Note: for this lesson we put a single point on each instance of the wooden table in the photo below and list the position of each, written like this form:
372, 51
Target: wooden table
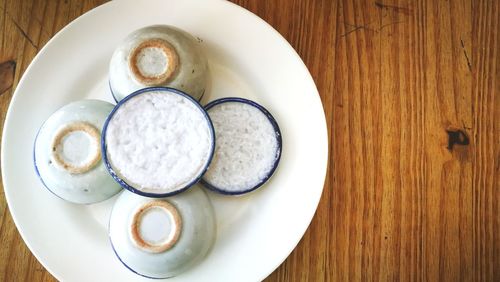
411, 92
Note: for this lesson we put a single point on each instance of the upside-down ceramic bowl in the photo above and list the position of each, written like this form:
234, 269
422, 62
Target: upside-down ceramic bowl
162, 237
67, 153
158, 55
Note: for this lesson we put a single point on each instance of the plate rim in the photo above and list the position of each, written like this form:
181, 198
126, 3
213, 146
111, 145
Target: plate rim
8, 123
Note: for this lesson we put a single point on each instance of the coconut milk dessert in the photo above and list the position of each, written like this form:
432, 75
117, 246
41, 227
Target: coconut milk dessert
158, 142
158, 55
248, 146
67, 153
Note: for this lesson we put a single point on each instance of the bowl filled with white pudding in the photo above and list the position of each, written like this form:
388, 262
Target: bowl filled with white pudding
248, 148
157, 142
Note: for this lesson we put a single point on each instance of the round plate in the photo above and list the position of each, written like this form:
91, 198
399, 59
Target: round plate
247, 58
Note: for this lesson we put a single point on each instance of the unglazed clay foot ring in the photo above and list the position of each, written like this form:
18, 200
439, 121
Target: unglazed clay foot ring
175, 228
94, 155
172, 61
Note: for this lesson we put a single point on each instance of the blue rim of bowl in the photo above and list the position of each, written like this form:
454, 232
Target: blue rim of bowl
116, 100
278, 139
130, 268
112, 93
122, 182
167, 277
37, 171
118, 256
36, 167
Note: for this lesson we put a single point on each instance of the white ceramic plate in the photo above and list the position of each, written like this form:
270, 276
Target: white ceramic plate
248, 58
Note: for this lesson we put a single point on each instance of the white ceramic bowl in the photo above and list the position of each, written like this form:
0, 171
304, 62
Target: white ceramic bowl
161, 238
67, 153
248, 148
158, 142
158, 55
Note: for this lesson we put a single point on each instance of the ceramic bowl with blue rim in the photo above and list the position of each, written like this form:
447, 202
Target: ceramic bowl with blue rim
67, 153
162, 237
157, 142
248, 148
158, 55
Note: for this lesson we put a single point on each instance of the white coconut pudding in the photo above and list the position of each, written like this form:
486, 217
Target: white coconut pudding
248, 147
158, 55
67, 153
160, 238
158, 142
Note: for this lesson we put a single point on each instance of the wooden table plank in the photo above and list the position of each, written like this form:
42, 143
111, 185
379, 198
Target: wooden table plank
403, 84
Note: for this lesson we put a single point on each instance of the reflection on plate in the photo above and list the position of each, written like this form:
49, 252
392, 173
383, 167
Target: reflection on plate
247, 58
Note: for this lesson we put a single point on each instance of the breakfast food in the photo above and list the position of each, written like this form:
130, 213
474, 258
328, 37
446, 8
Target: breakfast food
67, 153
248, 147
161, 238
158, 55
158, 142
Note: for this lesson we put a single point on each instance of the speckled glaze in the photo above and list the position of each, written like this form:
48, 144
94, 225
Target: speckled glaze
92, 186
196, 237
191, 75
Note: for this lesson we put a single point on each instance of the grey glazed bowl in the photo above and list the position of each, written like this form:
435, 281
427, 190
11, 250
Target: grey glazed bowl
85, 185
183, 64
194, 236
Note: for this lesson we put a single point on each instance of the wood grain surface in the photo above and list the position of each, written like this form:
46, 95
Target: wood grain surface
411, 93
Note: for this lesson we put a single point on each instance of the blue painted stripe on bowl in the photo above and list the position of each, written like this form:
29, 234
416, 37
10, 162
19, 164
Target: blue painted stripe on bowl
43, 182
131, 188
111, 90
116, 100
36, 166
278, 139
118, 256
130, 268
